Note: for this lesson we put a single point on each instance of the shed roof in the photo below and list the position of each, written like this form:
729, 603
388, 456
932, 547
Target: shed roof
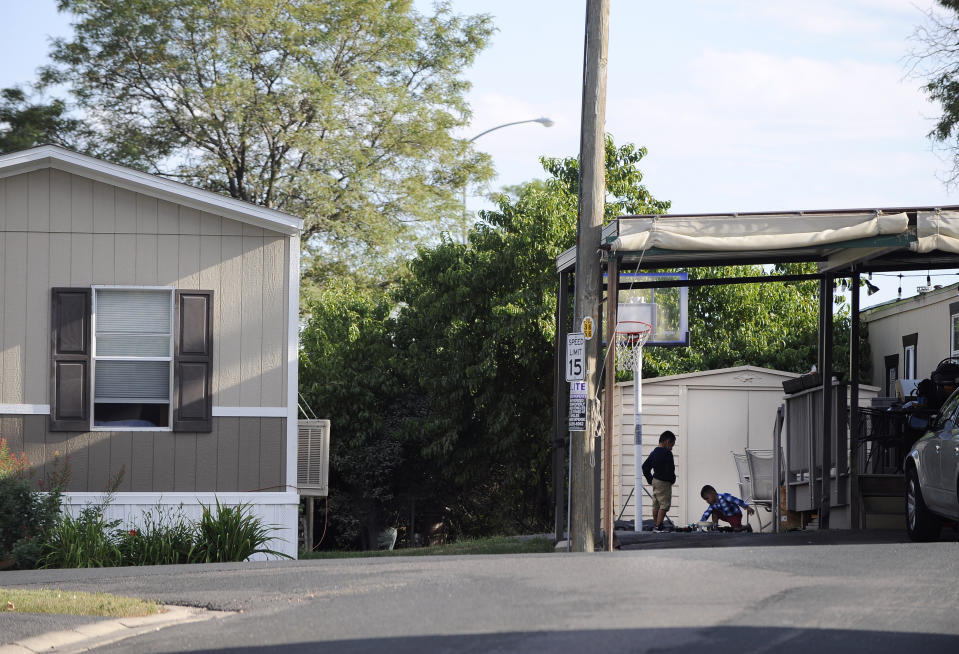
53, 156
748, 374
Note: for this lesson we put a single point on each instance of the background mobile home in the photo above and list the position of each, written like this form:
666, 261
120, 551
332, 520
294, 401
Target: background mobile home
149, 330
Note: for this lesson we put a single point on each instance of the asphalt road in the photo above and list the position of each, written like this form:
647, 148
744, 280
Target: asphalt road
890, 597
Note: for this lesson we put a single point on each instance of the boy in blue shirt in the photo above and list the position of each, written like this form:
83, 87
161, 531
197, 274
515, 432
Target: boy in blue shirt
724, 506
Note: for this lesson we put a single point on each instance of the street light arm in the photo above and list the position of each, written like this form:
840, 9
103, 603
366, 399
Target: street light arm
545, 122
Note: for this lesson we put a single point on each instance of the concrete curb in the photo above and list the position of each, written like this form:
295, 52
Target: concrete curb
97, 634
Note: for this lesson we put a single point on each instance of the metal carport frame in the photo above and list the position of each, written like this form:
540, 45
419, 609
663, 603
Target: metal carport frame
843, 259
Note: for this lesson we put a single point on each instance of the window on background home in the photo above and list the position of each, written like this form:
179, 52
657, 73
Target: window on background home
909, 362
892, 373
132, 357
954, 331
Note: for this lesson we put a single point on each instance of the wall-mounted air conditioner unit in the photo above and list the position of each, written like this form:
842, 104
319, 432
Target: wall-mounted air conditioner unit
313, 458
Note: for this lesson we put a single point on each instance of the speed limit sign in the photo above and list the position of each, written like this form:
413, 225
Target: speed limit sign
575, 357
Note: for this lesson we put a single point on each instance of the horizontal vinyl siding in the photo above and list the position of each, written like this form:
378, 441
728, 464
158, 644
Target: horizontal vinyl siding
660, 412
58, 229
240, 454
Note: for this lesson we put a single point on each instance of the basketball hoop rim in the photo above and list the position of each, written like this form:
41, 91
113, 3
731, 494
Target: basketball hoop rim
633, 328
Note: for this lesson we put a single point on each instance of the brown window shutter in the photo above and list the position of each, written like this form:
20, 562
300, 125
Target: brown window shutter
193, 361
70, 359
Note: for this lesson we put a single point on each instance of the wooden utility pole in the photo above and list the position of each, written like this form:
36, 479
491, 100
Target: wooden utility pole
592, 197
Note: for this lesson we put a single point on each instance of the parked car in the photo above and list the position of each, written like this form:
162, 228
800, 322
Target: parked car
932, 473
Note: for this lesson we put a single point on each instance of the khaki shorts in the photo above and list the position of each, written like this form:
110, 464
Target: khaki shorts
662, 495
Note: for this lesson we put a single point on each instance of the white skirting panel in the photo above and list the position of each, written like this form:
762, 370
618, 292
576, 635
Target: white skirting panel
278, 509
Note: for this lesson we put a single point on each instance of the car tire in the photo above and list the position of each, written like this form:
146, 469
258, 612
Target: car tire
921, 523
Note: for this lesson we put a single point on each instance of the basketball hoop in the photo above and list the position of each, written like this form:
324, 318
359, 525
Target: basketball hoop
630, 337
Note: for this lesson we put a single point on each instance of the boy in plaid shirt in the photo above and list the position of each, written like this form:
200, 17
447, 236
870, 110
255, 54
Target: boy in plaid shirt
723, 506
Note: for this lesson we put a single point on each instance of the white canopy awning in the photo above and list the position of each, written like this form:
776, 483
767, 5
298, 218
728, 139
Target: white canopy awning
937, 230
725, 233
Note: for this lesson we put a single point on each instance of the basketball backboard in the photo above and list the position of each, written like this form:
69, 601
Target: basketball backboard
666, 309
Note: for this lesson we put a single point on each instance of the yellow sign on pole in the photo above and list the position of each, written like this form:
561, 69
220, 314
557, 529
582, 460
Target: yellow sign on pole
587, 328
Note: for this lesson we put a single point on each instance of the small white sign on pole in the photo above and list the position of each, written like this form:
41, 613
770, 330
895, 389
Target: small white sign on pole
577, 406
575, 357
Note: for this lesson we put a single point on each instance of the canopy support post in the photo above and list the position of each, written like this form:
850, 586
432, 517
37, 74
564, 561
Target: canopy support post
854, 365
825, 355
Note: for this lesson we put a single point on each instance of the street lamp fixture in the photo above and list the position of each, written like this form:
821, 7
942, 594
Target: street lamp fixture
542, 120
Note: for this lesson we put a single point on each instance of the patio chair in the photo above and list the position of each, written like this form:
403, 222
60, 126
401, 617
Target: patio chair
745, 487
742, 469
760, 465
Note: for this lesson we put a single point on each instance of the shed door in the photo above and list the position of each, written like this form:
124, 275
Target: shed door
718, 422
723, 421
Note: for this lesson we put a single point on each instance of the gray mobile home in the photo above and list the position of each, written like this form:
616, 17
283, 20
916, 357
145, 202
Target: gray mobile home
149, 327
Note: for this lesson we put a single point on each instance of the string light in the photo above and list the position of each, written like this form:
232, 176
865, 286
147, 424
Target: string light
879, 274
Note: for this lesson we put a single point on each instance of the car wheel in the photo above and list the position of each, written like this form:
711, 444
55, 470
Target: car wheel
921, 524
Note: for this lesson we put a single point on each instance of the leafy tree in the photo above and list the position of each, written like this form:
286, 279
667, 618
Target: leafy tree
937, 60
346, 374
25, 124
338, 111
477, 330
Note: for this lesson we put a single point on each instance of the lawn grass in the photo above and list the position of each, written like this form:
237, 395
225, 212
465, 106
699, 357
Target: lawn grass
493, 545
70, 602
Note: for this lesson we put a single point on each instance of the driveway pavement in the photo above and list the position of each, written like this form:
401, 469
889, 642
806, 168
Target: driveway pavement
854, 597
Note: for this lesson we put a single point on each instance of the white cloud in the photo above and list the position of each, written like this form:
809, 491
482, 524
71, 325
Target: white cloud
758, 131
752, 99
831, 19
743, 105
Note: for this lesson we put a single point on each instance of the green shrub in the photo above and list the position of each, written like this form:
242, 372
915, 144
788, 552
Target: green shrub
16, 502
87, 541
161, 536
233, 533
25, 513
27, 552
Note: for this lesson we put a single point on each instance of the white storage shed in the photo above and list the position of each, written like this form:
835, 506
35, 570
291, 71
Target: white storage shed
712, 413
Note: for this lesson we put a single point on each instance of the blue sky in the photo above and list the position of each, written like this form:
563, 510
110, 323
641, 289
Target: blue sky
743, 105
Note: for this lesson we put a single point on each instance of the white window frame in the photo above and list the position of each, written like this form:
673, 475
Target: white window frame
94, 357
954, 346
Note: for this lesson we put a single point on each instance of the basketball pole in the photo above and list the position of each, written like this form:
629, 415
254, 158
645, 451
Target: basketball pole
610, 433
638, 435
592, 200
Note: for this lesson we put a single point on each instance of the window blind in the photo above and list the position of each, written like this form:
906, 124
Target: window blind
132, 381
131, 314
132, 324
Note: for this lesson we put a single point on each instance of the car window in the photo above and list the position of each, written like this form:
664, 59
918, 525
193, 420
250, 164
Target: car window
948, 410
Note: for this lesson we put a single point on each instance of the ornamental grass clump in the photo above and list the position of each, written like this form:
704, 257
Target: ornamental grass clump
85, 541
161, 536
232, 533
